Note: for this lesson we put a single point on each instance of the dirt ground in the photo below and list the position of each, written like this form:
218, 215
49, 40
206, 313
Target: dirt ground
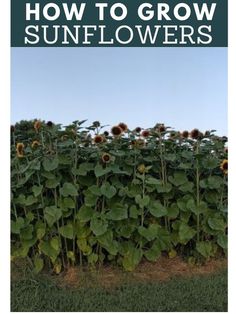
162, 270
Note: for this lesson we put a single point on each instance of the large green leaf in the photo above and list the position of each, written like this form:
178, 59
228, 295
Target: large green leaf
108, 190
149, 233
67, 231
52, 214
205, 248
48, 250
50, 164
100, 171
117, 212
38, 264
37, 189
85, 213
17, 225
222, 241
98, 226
142, 201
107, 242
153, 253
40, 228
157, 209
84, 168
216, 223
132, 258
68, 189
179, 178
186, 233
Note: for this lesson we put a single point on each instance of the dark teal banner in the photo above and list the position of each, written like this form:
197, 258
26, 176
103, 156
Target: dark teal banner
127, 23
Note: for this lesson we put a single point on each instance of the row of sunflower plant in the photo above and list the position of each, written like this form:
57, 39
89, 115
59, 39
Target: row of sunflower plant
82, 195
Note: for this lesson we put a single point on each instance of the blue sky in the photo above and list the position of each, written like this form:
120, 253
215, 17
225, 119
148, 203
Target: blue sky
181, 87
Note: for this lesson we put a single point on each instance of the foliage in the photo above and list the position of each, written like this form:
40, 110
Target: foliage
83, 196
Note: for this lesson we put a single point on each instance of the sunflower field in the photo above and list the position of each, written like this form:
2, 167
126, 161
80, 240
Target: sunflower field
84, 196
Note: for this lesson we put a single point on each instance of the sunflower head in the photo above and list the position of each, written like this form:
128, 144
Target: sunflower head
106, 133
207, 134
224, 166
137, 129
106, 158
185, 134
161, 128
145, 133
37, 125
195, 134
20, 150
96, 124
142, 168
49, 124
116, 130
35, 144
123, 126
226, 150
98, 139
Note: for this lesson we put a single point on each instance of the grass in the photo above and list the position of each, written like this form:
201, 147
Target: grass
201, 293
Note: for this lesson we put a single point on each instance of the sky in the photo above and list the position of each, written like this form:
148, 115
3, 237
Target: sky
184, 88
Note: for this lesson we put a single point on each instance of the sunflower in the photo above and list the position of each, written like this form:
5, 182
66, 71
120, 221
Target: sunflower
185, 134
123, 126
226, 150
224, 166
96, 124
106, 133
195, 134
20, 150
145, 133
106, 158
98, 139
161, 128
35, 144
116, 130
37, 125
141, 168
49, 124
137, 129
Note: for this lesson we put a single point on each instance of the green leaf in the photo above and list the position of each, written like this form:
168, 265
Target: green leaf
67, 231
204, 248
134, 212
153, 253
108, 190
84, 168
50, 164
37, 189
186, 233
216, 223
186, 187
26, 233
84, 247
40, 228
66, 203
85, 213
52, 214
215, 182
94, 189
178, 179
68, 189
98, 226
132, 259
222, 241
152, 181
142, 201
117, 212
90, 198
173, 211
55, 243
100, 171
48, 250
164, 188
17, 225
52, 183
157, 209
30, 200
107, 242
149, 233
92, 258
38, 264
